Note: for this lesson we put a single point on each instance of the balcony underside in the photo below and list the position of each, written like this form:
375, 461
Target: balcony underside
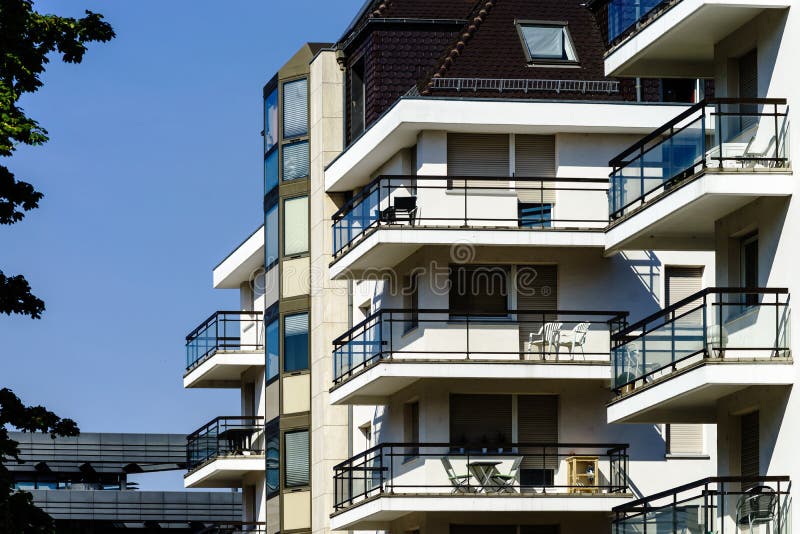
388, 246
378, 383
225, 472
376, 513
223, 369
683, 218
680, 42
691, 395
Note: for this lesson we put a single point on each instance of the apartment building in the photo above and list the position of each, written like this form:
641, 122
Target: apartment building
453, 321
473, 194
716, 177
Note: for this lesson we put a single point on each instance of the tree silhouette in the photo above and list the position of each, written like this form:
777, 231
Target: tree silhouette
27, 37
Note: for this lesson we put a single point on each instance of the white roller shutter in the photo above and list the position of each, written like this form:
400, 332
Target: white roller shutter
537, 417
535, 156
478, 155
682, 283
685, 439
537, 289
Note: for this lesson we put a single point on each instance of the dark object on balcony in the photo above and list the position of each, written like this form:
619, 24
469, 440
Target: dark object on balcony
403, 210
757, 507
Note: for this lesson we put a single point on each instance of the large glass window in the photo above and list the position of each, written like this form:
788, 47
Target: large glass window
295, 226
295, 109
271, 171
295, 342
273, 349
547, 42
297, 459
295, 161
270, 120
273, 457
272, 232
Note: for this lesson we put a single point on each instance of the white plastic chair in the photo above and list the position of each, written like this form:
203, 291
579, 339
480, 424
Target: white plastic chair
548, 337
575, 338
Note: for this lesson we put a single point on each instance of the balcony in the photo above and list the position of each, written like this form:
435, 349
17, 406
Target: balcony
223, 347
224, 451
670, 188
720, 505
395, 347
395, 215
674, 366
674, 38
392, 480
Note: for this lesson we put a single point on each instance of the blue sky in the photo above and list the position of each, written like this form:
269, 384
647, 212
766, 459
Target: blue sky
152, 175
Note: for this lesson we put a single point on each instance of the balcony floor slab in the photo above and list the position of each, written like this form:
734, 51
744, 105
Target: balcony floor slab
683, 218
379, 382
691, 395
385, 247
223, 369
226, 472
383, 509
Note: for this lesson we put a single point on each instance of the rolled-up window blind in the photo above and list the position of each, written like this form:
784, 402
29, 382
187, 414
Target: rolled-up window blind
295, 109
295, 161
297, 459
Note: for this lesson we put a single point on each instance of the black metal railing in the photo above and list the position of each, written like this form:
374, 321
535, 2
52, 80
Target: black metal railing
485, 469
725, 134
716, 504
471, 202
718, 322
224, 330
442, 335
225, 437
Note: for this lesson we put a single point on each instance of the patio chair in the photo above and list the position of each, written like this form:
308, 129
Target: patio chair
756, 507
404, 209
460, 482
575, 338
506, 483
548, 337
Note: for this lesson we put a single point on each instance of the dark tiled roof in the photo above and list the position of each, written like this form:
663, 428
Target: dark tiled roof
490, 46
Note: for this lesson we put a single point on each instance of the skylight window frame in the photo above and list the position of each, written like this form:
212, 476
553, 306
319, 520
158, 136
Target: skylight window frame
548, 62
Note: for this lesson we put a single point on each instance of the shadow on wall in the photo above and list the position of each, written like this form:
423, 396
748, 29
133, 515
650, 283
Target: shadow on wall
643, 297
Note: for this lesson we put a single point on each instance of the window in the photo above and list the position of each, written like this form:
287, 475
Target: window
295, 161
273, 457
547, 42
295, 342
270, 120
297, 462
479, 289
534, 215
679, 90
411, 301
480, 420
295, 226
271, 237
684, 439
749, 268
357, 99
273, 349
295, 109
271, 171
411, 428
